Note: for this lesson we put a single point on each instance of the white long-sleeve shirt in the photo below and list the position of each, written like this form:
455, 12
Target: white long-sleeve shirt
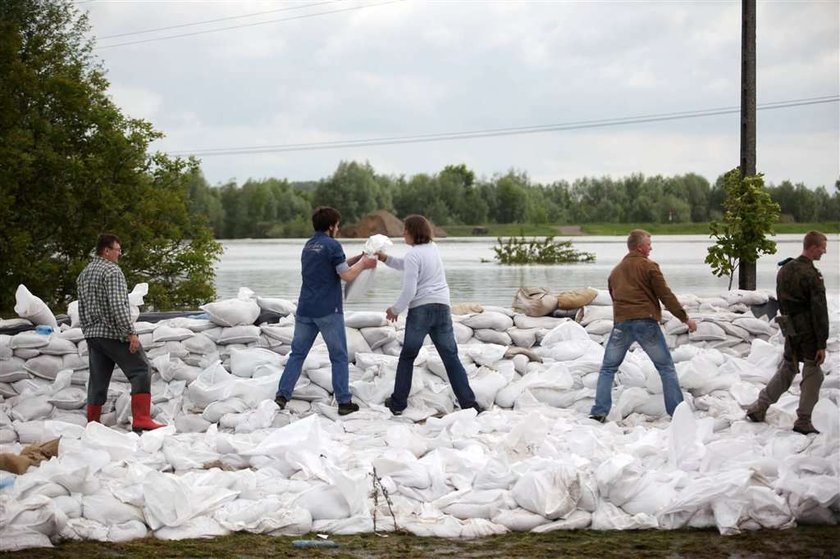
424, 280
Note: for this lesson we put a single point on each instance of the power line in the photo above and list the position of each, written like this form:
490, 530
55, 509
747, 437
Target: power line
254, 24
217, 20
495, 132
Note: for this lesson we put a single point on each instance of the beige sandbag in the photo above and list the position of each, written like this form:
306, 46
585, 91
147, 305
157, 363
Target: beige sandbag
466, 308
534, 301
31, 455
576, 298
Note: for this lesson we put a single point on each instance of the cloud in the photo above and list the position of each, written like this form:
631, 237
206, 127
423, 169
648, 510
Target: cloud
409, 68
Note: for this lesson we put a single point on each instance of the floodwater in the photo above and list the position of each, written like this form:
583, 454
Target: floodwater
271, 268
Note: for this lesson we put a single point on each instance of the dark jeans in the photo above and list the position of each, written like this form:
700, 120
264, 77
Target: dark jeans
332, 330
103, 353
436, 321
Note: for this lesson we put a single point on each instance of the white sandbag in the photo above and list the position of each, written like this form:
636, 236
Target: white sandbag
135, 300
577, 520
212, 384
33, 309
755, 326
232, 312
164, 333
361, 284
75, 335
283, 334
44, 366
243, 362
172, 501
552, 491
631, 373
73, 313
199, 343
490, 336
543, 322
5, 350
599, 327
35, 407
267, 515
59, 346
364, 319
519, 520
215, 410
733, 330
567, 331
283, 307
26, 353
106, 509
485, 354
463, 333
523, 337
243, 334
12, 369
323, 502
609, 517
70, 398
174, 349
707, 331
746, 297
377, 336
486, 383
356, 343
571, 350
28, 340
488, 319
602, 298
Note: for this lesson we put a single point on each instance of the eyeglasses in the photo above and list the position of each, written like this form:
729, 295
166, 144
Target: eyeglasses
116, 249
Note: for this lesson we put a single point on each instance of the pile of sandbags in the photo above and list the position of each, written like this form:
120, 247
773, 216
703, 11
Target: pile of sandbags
534, 461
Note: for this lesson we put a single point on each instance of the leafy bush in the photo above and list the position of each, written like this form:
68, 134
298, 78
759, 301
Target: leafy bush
519, 250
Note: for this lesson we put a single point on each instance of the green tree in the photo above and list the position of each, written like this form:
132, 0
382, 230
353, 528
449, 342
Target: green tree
511, 198
72, 166
749, 215
354, 190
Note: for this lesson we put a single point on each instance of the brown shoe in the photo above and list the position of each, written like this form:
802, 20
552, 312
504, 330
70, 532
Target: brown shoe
755, 414
805, 429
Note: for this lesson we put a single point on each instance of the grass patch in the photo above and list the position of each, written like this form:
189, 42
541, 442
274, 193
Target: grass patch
804, 541
618, 229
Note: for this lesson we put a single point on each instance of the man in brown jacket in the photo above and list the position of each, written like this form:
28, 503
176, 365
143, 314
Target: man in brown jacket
637, 286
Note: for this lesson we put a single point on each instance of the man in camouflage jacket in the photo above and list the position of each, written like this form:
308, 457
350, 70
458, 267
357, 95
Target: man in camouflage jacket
804, 322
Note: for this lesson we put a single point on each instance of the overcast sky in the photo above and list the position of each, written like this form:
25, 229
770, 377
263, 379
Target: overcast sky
335, 71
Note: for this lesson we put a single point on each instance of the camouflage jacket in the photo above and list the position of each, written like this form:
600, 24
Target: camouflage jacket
801, 293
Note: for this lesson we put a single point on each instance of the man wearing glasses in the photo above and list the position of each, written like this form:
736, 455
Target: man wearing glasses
111, 339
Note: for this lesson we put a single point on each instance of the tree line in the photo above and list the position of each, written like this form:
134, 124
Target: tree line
454, 196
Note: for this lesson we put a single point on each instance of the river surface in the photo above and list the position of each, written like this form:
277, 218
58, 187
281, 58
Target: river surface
271, 268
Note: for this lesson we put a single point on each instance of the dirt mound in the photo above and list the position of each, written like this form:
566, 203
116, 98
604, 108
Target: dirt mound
380, 222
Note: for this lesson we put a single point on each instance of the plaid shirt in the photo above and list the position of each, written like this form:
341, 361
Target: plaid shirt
103, 301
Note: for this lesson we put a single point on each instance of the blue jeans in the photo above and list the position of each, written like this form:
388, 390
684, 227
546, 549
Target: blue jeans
649, 335
331, 328
435, 320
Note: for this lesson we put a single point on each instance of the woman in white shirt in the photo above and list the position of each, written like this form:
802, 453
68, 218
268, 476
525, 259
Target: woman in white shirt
426, 296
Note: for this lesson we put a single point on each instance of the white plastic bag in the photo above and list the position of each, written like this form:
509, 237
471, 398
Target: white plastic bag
363, 283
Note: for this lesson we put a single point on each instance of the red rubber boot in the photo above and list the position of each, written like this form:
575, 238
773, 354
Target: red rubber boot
141, 417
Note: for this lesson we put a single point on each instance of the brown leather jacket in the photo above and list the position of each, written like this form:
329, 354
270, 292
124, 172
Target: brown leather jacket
636, 286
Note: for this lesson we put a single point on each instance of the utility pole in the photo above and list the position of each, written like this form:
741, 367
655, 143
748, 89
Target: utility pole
746, 270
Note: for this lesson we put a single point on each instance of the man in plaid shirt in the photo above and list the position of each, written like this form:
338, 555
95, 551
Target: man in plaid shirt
111, 339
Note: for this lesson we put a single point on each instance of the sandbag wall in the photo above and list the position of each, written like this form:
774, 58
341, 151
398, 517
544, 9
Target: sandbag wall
214, 369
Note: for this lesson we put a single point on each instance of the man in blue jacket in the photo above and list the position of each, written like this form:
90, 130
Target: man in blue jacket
320, 309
